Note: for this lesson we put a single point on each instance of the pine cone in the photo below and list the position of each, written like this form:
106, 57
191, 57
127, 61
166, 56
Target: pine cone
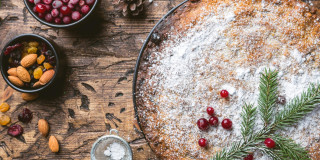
129, 7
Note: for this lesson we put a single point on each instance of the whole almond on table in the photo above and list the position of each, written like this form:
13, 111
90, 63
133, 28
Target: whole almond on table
23, 74
12, 72
46, 76
29, 96
29, 60
16, 81
43, 127
53, 144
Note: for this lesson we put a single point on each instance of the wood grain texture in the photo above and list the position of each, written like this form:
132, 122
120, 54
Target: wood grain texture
96, 94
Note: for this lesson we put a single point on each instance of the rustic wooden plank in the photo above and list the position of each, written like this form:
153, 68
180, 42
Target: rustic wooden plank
96, 94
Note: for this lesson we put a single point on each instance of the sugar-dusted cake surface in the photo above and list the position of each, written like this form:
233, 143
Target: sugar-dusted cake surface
212, 45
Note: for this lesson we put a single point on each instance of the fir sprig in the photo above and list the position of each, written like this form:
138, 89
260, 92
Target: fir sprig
294, 111
268, 94
248, 116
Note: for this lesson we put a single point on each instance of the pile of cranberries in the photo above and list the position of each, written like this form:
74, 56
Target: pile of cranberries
61, 11
203, 124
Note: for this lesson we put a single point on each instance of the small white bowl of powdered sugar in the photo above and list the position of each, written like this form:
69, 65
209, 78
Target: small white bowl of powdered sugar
111, 147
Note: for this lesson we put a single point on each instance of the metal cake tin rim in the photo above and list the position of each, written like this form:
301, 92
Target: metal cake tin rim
136, 70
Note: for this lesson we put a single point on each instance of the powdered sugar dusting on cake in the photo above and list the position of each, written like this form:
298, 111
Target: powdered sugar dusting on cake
228, 50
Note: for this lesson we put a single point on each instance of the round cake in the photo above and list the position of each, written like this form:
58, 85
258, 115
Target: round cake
207, 46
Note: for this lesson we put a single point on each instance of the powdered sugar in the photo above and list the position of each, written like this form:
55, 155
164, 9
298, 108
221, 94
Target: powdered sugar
218, 53
115, 151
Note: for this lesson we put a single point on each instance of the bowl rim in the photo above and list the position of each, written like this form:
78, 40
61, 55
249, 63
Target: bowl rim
60, 25
136, 70
54, 50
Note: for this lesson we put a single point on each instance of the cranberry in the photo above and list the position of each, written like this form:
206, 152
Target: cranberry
81, 3
57, 20
15, 130
31, 1
66, 20
41, 15
41, 8
70, 5
202, 124
48, 7
76, 16
34, 9
25, 116
90, 2
210, 111
226, 123
36, 1
65, 1
202, 142
47, 1
55, 12
65, 10
48, 17
214, 121
85, 9
74, 2
57, 4
224, 93
249, 157
269, 143
61, 15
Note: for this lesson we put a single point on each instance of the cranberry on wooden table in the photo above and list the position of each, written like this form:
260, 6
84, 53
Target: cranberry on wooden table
25, 116
15, 130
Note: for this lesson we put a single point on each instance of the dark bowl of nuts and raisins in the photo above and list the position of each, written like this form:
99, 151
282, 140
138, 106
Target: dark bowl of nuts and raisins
30, 63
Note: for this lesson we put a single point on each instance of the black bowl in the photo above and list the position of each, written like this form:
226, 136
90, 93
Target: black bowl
30, 37
70, 25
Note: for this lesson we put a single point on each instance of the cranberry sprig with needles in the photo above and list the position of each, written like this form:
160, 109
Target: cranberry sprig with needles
273, 145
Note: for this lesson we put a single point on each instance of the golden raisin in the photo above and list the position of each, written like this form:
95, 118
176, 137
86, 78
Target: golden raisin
4, 107
33, 44
32, 50
40, 59
47, 65
37, 73
4, 120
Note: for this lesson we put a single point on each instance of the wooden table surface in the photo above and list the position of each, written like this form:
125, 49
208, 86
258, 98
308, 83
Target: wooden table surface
95, 96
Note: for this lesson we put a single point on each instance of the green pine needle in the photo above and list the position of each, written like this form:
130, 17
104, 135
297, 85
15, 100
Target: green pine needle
268, 95
293, 112
298, 108
248, 116
288, 149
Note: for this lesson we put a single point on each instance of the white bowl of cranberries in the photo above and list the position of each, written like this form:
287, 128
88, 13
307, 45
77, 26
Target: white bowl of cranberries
60, 13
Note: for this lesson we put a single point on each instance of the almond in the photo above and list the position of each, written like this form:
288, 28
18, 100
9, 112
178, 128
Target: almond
43, 127
29, 60
46, 77
16, 81
23, 74
12, 72
36, 85
29, 96
53, 144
